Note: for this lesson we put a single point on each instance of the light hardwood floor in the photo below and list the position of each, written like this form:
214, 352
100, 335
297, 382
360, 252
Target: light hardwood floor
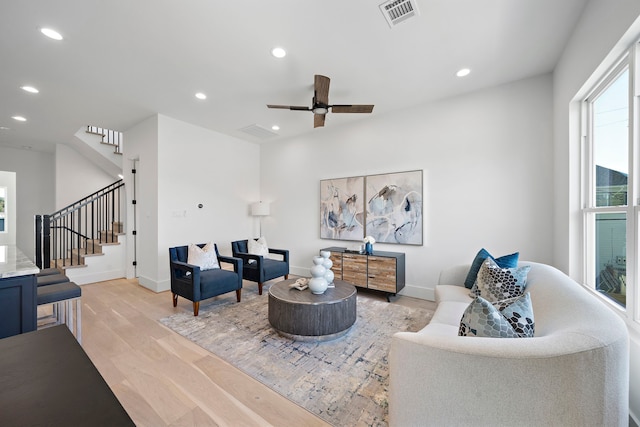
163, 379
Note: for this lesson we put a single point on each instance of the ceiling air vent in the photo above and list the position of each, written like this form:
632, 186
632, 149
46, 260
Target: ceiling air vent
258, 131
397, 11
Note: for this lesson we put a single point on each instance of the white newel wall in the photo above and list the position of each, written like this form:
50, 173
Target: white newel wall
487, 162
188, 165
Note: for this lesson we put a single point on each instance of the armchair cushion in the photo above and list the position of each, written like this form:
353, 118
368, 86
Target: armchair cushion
205, 258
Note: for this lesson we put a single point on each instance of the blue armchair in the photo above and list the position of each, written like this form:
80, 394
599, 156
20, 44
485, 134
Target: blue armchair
189, 282
261, 269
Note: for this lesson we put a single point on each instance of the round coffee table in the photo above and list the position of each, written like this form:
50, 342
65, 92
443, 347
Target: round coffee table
303, 316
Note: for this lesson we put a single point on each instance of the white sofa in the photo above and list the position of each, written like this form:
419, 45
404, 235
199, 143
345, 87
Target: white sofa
574, 372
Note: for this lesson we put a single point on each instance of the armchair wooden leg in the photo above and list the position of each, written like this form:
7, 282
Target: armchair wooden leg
286, 277
259, 288
238, 294
175, 300
196, 308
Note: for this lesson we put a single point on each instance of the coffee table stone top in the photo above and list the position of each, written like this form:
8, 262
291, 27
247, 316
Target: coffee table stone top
301, 315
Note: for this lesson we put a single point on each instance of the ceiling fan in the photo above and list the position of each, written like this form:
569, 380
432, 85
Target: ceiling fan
321, 104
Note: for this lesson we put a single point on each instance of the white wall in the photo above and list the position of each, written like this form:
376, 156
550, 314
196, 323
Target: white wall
35, 190
185, 166
605, 30
487, 162
142, 144
76, 176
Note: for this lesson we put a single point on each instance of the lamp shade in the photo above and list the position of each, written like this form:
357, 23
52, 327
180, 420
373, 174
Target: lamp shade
260, 209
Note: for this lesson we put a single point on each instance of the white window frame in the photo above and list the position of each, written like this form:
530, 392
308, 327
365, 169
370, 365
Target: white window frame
631, 311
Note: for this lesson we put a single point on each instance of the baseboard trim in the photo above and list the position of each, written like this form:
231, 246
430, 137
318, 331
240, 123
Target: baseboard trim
154, 285
76, 276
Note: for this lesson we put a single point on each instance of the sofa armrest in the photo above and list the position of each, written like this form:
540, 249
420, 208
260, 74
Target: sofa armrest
184, 267
247, 257
191, 275
427, 372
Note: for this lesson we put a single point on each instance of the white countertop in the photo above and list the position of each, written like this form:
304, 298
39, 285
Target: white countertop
14, 263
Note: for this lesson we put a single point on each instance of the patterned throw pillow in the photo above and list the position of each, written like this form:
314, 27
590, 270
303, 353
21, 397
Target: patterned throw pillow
510, 318
258, 247
495, 283
204, 258
505, 261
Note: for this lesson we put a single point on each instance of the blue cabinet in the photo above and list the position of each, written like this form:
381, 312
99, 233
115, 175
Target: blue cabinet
18, 305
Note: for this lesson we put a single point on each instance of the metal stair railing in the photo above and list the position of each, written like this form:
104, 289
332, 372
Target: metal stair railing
67, 235
110, 137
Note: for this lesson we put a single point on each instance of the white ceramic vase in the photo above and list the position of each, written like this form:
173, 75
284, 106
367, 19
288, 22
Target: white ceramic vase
329, 275
318, 284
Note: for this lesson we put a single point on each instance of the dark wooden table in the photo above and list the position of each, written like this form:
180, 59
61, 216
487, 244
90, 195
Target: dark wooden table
46, 379
303, 316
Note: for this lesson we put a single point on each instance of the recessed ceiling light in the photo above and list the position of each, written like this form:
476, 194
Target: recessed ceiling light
275, 127
201, 95
463, 72
278, 52
52, 34
4, 128
30, 89
19, 118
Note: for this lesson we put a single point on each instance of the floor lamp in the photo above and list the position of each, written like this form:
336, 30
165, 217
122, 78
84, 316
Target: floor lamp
260, 209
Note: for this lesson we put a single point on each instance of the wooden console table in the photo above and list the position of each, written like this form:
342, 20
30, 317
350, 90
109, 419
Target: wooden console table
381, 271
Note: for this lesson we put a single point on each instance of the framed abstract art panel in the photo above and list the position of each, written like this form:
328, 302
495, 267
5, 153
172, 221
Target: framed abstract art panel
342, 208
394, 207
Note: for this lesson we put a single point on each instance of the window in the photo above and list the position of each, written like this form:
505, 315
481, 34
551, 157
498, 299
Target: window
3, 210
608, 207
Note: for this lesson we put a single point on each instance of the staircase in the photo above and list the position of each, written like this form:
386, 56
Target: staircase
86, 239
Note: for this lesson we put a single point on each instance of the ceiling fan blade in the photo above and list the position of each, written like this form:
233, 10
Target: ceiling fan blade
318, 120
321, 87
289, 107
351, 108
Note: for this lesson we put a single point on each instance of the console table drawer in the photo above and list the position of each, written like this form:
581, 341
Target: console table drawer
382, 274
336, 258
354, 269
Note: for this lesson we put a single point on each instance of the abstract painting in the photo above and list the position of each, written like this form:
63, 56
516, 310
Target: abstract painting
394, 207
342, 208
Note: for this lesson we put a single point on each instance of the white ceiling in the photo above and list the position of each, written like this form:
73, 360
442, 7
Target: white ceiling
124, 60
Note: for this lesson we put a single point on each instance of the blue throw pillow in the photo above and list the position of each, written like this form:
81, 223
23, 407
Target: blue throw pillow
506, 261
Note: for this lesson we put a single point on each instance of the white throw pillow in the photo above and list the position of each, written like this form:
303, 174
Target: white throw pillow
204, 258
258, 247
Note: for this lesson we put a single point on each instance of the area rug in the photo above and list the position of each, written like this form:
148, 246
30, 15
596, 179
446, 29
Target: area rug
343, 381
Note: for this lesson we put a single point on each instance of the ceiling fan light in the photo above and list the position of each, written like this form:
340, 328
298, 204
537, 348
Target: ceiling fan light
320, 110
